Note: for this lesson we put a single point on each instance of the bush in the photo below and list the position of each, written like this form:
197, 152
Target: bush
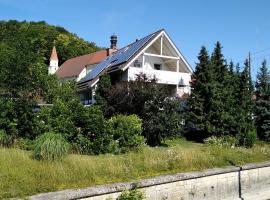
5, 139
24, 143
132, 194
50, 146
95, 131
59, 118
222, 141
247, 139
82, 145
126, 131
161, 121
148, 100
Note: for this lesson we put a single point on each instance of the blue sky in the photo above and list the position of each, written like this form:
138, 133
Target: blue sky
240, 25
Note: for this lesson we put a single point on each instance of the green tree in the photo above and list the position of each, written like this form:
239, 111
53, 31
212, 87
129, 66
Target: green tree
262, 106
219, 115
220, 102
149, 100
102, 93
65, 115
199, 103
244, 103
39, 37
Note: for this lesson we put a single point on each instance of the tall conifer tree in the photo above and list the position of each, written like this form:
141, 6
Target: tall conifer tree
198, 103
219, 116
244, 101
262, 107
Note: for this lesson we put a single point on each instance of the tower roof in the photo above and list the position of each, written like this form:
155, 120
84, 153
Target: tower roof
54, 54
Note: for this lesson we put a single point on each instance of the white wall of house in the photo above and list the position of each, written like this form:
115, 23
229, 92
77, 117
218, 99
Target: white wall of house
85, 71
174, 70
167, 75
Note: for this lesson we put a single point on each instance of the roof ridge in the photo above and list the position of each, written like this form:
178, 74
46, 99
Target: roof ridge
89, 54
141, 38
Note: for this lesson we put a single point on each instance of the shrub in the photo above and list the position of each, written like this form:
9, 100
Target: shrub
247, 139
82, 145
222, 141
5, 139
132, 194
24, 143
126, 131
50, 146
147, 99
94, 128
59, 118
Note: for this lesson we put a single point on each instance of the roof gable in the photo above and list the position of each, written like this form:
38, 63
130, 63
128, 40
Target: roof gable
172, 50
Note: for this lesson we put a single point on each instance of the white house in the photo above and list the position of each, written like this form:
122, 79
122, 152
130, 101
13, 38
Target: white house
154, 55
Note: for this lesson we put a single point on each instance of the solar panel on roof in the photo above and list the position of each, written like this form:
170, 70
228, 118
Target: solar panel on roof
117, 57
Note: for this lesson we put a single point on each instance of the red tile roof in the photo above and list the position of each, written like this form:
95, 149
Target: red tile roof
54, 54
74, 66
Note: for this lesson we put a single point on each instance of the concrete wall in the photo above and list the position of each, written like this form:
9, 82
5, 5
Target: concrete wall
243, 182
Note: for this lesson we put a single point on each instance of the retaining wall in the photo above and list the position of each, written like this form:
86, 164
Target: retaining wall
242, 182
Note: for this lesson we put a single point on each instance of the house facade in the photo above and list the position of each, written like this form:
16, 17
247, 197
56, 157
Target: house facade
154, 55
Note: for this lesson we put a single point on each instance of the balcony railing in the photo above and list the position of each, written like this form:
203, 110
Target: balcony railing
164, 77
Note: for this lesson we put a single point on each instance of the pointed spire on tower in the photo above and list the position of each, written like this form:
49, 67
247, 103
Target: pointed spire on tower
54, 54
53, 67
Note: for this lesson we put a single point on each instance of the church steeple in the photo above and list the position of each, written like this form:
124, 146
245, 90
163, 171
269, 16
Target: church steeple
53, 67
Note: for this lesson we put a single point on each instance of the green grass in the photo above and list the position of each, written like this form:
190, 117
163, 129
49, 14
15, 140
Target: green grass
22, 176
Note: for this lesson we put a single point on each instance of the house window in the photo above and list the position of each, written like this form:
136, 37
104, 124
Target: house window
157, 66
137, 63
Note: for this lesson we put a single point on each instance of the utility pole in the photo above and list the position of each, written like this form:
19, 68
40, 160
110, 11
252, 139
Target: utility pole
249, 62
249, 71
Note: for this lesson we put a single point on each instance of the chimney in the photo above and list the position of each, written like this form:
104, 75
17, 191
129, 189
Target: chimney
113, 41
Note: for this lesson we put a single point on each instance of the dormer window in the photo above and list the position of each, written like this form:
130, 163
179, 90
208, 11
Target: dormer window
157, 66
137, 63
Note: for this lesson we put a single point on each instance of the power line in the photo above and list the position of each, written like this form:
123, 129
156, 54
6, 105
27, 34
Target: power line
260, 51
254, 53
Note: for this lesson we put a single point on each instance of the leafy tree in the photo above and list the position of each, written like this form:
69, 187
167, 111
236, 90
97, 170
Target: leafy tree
149, 100
39, 37
65, 114
262, 106
25, 49
102, 93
